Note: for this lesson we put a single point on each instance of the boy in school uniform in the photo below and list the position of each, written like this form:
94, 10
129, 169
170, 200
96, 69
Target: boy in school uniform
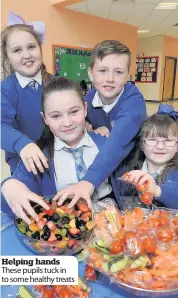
116, 109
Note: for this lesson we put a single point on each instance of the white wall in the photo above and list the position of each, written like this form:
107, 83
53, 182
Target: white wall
152, 46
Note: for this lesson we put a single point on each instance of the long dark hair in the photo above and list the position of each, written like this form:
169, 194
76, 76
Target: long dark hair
156, 126
6, 33
46, 141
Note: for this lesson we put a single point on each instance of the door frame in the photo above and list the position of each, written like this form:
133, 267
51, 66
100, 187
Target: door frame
174, 78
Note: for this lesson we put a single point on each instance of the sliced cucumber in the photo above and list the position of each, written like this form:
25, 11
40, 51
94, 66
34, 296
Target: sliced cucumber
102, 243
119, 265
24, 292
83, 285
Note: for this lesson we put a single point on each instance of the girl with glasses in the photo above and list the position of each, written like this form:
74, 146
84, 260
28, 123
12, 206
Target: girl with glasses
155, 157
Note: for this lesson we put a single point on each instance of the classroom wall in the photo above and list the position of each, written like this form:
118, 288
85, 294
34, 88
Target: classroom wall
71, 28
161, 46
152, 46
170, 48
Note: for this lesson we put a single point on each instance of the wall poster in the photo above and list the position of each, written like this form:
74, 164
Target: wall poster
71, 62
146, 69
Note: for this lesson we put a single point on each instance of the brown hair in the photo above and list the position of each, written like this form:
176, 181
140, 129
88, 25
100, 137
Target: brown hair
108, 47
4, 40
156, 126
46, 140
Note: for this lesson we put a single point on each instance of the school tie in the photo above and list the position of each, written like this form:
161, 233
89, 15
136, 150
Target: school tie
155, 176
34, 85
80, 166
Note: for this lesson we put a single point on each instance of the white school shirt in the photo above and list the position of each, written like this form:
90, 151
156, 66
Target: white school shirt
24, 81
145, 168
97, 102
64, 164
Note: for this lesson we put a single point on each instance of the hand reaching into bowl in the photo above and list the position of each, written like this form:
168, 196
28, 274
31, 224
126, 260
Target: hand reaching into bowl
18, 197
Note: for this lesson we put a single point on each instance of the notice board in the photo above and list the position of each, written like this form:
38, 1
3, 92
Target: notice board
71, 62
146, 69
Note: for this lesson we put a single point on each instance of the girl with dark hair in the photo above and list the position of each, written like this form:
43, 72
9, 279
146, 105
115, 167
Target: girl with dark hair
69, 148
21, 91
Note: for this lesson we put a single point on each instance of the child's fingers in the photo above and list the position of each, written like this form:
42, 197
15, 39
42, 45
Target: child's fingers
43, 159
38, 164
31, 165
62, 197
25, 161
105, 131
75, 199
20, 213
30, 211
37, 199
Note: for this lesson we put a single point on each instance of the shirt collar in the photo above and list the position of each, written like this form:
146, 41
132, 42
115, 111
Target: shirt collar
59, 144
145, 168
97, 102
24, 81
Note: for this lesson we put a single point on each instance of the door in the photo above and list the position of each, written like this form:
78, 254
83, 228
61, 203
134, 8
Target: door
169, 78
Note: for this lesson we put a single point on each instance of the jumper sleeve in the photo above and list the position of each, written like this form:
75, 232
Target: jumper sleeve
130, 117
12, 140
169, 192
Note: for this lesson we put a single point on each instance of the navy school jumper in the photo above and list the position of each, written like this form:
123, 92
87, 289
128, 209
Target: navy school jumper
124, 121
21, 122
44, 184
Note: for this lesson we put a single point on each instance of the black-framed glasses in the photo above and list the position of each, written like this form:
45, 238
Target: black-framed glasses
155, 142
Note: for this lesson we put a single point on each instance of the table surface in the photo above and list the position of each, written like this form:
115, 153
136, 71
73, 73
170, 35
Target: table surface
12, 246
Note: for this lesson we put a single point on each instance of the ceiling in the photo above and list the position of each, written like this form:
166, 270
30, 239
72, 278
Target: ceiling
138, 13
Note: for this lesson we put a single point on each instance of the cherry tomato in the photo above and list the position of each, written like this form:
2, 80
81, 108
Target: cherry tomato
39, 288
47, 293
146, 198
149, 244
176, 231
90, 273
49, 212
117, 246
65, 293
143, 227
164, 214
126, 177
175, 221
143, 187
164, 234
163, 221
153, 222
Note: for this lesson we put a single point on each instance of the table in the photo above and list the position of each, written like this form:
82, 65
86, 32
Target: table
11, 245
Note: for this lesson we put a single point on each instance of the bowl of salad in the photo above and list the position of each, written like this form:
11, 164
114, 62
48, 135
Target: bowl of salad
59, 231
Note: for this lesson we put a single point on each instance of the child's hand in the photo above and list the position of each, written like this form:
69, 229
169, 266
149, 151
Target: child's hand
103, 131
18, 195
88, 126
140, 177
32, 156
81, 190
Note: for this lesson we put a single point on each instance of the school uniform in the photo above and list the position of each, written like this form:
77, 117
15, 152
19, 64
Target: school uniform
124, 119
21, 122
169, 188
61, 170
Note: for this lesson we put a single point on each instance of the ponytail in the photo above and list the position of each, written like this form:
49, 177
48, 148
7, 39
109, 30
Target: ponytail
46, 77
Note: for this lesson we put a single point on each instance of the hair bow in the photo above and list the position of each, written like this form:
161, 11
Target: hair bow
167, 110
38, 27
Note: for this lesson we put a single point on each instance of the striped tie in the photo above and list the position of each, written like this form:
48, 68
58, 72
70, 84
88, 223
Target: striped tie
34, 85
80, 166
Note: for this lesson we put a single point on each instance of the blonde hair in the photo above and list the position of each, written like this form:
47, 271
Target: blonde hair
109, 47
8, 69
